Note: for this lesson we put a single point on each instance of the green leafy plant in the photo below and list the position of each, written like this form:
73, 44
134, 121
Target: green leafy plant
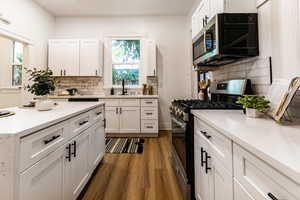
257, 102
43, 82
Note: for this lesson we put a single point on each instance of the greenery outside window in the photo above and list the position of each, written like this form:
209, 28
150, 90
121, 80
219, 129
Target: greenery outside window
17, 66
126, 60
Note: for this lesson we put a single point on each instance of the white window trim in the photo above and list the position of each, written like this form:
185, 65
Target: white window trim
108, 60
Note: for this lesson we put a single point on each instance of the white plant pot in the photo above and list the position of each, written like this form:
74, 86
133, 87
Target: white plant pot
253, 113
44, 104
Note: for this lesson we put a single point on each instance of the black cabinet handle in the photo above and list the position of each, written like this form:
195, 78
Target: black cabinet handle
104, 121
205, 134
52, 139
272, 196
149, 126
65, 72
69, 152
202, 159
203, 22
61, 72
75, 150
117, 112
206, 162
98, 113
84, 122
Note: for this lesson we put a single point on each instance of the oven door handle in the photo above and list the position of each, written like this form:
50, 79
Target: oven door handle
181, 124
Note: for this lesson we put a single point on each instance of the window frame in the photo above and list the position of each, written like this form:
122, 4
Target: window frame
108, 63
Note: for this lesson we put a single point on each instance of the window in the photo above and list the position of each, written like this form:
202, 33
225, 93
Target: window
17, 65
126, 62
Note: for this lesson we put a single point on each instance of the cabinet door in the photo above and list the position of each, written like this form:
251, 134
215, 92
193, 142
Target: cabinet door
78, 170
130, 120
240, 193
151, 58
220, 181
97, 144
201, 177
90, 58
55, 57
44, 180
112, 120
70, 61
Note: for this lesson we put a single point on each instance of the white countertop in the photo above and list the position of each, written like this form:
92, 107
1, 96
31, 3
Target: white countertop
28, 120
278, 145
106, 97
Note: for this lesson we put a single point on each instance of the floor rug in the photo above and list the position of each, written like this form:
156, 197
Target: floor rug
124, 145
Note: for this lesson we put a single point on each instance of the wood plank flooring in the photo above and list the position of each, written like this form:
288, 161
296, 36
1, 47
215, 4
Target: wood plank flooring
147, 176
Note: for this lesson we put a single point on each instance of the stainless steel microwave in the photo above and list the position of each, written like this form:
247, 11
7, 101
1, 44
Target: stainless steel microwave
227, 38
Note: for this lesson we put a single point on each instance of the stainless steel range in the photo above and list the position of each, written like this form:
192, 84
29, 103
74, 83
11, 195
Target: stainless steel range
223, 96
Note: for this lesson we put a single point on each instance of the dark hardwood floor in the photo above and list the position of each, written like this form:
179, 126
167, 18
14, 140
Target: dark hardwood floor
147, 176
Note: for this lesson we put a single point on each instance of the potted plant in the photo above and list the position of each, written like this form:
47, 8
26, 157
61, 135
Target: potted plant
43, 84
254, 105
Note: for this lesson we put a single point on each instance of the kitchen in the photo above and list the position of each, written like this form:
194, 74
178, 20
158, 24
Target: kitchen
81, 44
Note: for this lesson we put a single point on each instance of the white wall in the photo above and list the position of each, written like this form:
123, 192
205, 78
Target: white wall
171, 35
31, 21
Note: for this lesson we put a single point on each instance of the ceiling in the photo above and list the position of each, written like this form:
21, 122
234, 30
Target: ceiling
116, 7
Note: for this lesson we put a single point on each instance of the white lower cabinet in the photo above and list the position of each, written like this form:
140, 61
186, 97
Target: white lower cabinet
220, 181
44, 180
77, 169
130, 120
131, 117
62, 173
112, 119
228, 171
201, 178
97, 145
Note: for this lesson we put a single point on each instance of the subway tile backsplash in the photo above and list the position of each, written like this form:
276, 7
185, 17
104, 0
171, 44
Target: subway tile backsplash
94, 85
258, 70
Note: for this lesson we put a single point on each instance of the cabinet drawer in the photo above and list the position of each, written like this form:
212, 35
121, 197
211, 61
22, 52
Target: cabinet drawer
221, 146
260, 180
129, 102
149, 102
149, 126
34, 147
112, 102
97, 114
149, 113
80, 123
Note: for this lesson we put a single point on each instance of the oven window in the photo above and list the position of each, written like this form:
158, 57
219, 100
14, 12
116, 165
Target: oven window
179, 141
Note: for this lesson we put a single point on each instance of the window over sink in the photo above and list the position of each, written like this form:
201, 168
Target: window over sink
126, 58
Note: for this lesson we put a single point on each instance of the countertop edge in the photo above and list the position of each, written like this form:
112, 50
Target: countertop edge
32, 130
274, 163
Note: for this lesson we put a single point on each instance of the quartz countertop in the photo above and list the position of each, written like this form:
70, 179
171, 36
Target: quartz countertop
29, 120
276, 144
106, 97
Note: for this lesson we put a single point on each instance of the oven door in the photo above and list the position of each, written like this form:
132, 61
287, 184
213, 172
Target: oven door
179, 139
199, 48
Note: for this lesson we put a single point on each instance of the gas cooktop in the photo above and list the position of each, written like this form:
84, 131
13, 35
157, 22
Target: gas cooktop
198, 104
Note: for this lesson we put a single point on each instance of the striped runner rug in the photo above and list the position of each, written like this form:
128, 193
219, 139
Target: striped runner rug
124, 145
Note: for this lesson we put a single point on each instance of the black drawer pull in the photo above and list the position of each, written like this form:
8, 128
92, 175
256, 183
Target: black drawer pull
202, 160
98, 113
206, 162
82, 123
52, 139
205, 134
74, 144
149, 102
272, 196
149, 126
149, 113
69, 152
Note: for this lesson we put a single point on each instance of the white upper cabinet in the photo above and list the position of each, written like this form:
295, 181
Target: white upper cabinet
75, 57
91, 58
209, 8
151, 58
